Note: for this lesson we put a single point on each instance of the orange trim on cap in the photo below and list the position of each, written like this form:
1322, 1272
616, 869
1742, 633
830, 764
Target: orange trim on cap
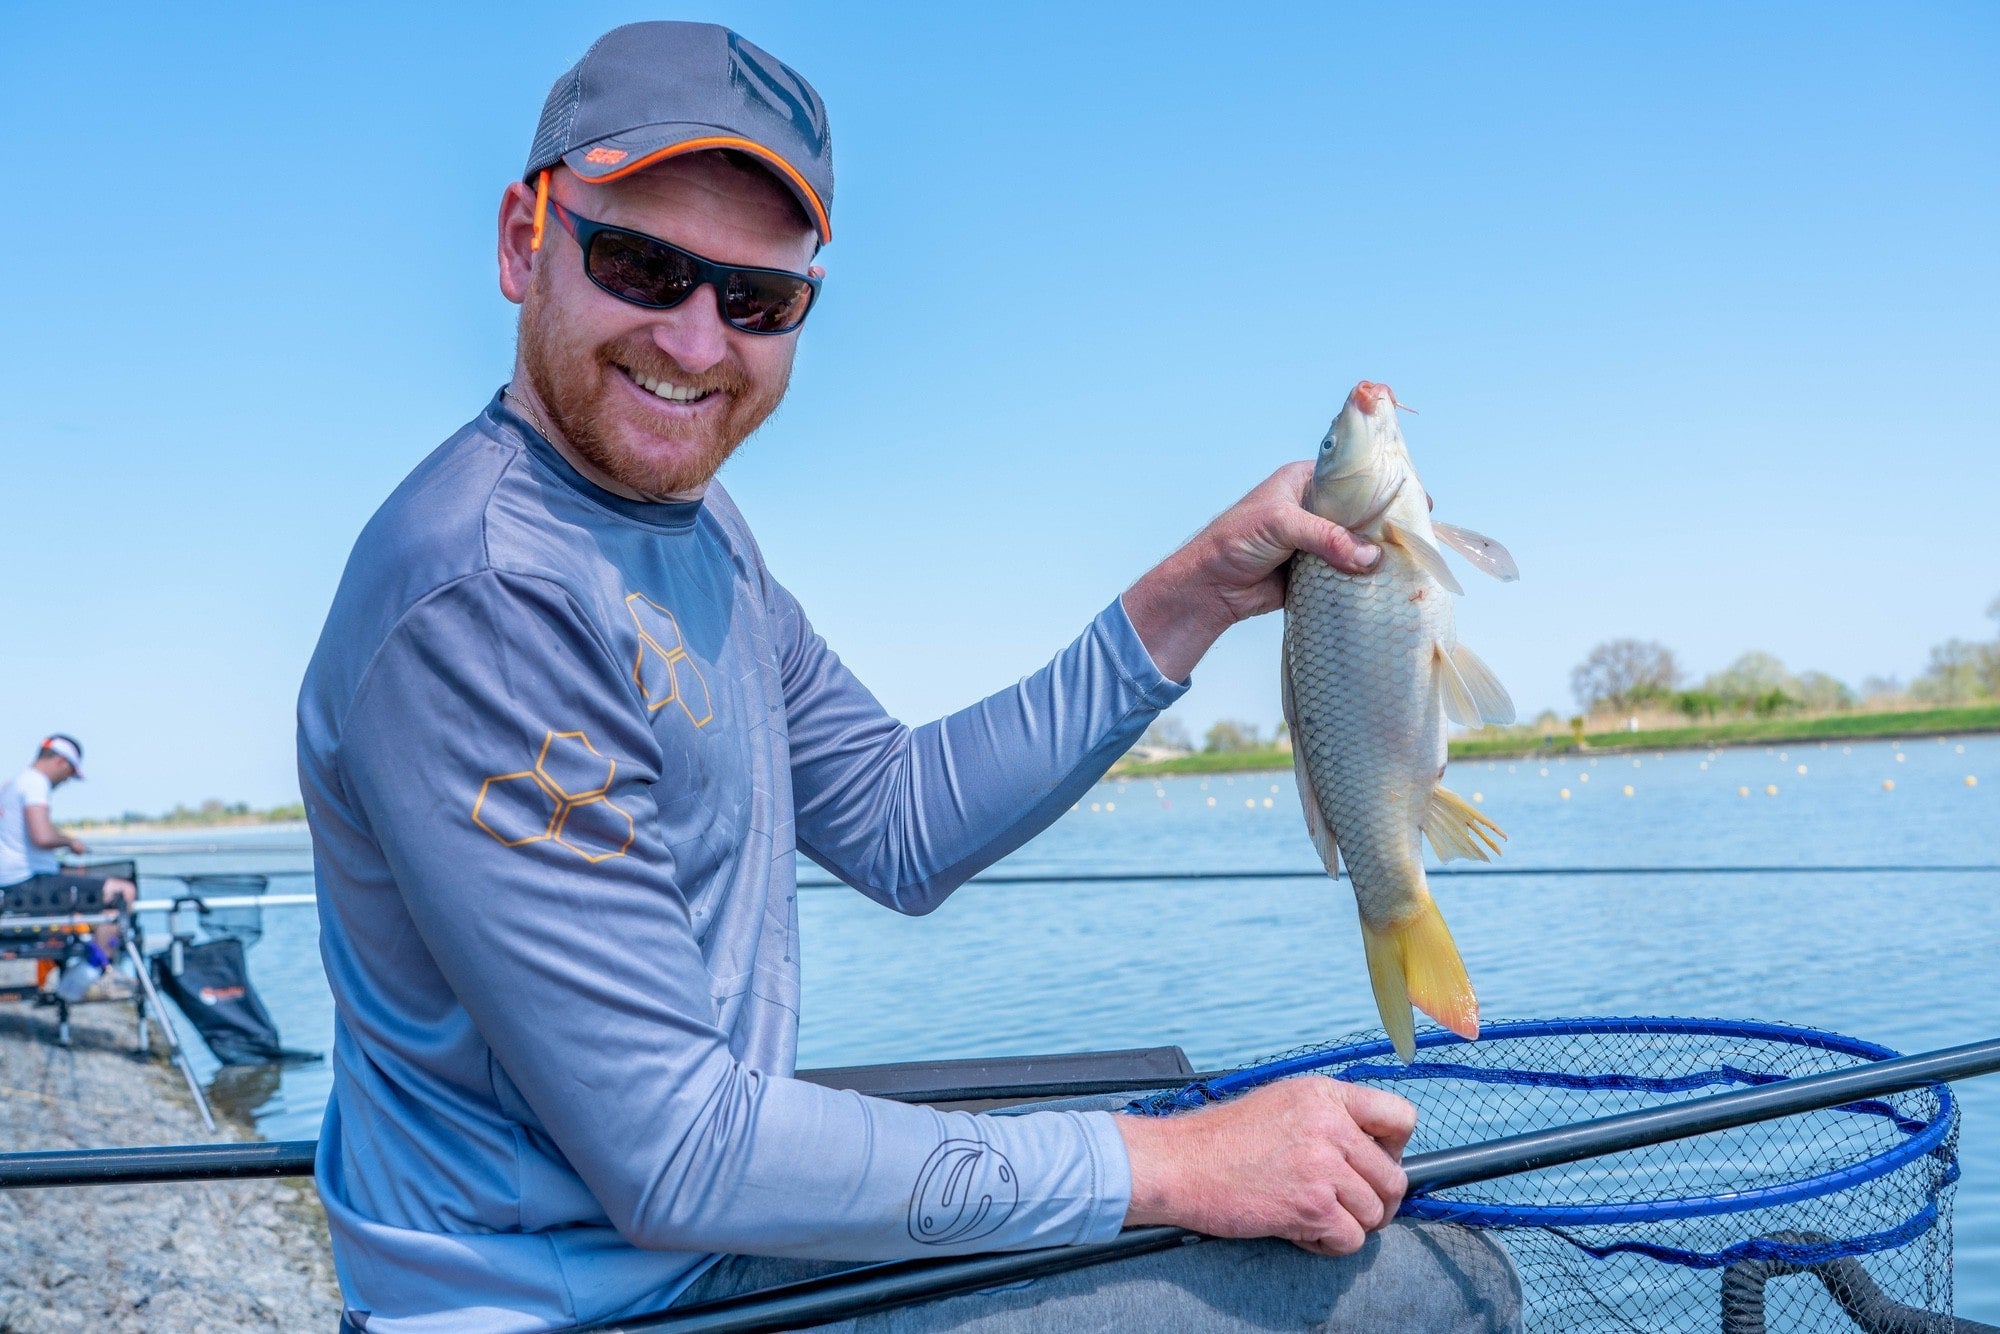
541, 209
755, 150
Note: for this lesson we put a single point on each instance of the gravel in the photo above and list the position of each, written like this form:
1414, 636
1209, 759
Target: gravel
236, 1255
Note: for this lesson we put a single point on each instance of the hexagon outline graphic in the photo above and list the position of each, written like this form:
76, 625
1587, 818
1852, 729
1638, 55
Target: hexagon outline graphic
639, 676
549, 780
571, 808
681, 692
672, 660
556, 809
673, 625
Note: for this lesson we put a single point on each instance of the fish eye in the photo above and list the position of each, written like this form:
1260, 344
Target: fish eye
1326, 444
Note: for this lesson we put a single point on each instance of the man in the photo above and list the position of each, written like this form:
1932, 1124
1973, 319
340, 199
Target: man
29, 870
562, 736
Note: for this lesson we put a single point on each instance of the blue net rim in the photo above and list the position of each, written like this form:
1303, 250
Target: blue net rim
1925, 1138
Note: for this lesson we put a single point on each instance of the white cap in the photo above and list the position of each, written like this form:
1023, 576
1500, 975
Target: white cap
68, 749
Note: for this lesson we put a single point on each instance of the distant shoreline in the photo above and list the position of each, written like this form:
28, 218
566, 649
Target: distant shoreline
1971, 721
117, 827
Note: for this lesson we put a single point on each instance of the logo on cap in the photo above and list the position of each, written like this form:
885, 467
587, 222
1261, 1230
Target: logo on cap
606, 156
773, 83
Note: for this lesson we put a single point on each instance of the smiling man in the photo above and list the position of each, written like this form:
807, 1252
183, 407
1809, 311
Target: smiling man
562, 738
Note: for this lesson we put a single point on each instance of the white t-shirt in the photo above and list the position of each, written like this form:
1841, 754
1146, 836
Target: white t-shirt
19, 857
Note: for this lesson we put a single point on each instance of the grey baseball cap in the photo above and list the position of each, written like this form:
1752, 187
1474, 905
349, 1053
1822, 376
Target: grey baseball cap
650, 91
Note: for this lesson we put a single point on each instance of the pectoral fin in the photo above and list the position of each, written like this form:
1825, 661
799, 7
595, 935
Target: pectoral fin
1456, 828
1480, 549
1316, 826
1489, 697
1419, 549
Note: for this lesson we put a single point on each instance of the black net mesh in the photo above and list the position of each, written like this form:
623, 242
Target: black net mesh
1833, 1220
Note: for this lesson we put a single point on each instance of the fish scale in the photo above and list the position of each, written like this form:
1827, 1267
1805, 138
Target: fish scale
1372, 671
1361, 651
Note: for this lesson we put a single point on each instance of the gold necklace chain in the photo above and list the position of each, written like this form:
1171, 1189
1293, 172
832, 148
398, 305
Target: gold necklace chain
522, 406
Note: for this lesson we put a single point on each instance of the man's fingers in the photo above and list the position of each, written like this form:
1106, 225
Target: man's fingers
1341, 1237
1365, 1201
1383, 1117
1306, 531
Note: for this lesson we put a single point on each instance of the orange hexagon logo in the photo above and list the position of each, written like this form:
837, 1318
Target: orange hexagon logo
595, 830
663, 671
572, 767
561, 798
516, 809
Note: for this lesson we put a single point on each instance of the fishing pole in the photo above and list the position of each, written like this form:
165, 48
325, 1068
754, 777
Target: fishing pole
1148, 877
885, 1287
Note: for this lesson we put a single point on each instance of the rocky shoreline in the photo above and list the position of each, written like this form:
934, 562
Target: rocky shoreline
247, 1255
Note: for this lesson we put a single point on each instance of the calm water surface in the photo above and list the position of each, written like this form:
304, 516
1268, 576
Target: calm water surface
1233, 970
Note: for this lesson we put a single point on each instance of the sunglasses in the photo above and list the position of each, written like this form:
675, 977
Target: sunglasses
649, 272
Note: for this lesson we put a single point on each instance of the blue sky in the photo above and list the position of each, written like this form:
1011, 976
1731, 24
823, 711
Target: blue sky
1700, 305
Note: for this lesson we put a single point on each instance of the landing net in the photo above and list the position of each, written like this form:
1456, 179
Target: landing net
1833, 1220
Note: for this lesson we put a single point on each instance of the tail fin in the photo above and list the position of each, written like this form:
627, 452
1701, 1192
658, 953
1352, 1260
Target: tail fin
1416, 963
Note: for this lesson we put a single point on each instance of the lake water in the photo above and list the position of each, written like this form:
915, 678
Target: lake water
1233, 970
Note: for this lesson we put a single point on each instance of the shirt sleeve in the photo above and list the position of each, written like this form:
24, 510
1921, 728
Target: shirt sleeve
906, 815
570, 947
34, 788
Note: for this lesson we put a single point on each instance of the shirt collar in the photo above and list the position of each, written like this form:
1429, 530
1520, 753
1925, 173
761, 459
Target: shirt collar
673, 516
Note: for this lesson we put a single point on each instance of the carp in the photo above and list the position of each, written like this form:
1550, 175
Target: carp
1372, 670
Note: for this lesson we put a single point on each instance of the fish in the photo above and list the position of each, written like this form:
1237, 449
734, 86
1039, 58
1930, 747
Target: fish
1372, 671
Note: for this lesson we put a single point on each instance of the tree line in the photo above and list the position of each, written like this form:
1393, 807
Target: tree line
1627, 675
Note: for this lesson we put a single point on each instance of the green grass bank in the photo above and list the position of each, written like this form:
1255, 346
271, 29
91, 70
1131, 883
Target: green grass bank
1698, 736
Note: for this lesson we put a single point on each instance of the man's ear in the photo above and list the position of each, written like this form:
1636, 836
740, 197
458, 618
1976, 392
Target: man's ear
816, 271
516, 241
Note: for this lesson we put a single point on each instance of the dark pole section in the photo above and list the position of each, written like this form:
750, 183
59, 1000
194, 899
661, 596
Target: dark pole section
186, 1162
876, 1288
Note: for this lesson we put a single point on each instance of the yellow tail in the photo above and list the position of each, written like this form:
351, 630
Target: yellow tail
1415, 963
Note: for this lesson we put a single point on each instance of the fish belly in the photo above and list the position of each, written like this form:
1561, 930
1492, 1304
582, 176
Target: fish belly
1369, 719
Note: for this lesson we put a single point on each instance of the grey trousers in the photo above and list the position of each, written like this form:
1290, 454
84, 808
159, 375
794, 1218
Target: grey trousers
1429, 1277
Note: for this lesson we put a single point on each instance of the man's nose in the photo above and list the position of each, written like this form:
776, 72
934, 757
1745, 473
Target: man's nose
693, 333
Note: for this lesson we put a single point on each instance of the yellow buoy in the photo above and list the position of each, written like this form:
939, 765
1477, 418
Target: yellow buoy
1479, 797
1545, 773
1211, 801
1110, 806
1583, 778
1770, 789
1267, 803
1899, 757
1274, 787
1097, 805
1704, 764
1250, 803
1742, 791
1971, 781
1628, 789
1888, 785
1564, 794
1802, 769
1958, 750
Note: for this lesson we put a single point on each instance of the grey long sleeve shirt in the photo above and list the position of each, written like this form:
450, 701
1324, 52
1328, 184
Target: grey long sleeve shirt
558, 749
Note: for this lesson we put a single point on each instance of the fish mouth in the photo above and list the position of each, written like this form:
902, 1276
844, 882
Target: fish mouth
1369, 396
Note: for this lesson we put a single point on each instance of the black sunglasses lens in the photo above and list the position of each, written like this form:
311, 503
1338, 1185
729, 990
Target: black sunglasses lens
766, 302
639, 269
